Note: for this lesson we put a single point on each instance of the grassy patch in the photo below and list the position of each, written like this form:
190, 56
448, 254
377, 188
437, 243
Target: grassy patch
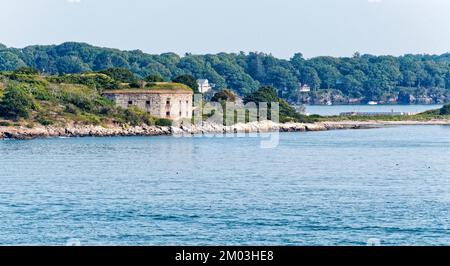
96, 81
6, 124
65, 99
167, 86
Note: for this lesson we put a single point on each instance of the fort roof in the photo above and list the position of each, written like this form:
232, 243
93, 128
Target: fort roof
155, 88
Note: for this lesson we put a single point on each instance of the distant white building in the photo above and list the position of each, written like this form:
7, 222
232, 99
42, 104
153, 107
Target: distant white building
203, 85
304, 88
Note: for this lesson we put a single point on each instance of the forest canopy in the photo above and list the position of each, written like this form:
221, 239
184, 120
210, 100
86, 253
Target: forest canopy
361, 77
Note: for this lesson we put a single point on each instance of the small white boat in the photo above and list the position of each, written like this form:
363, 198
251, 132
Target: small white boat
329, 103
372, 103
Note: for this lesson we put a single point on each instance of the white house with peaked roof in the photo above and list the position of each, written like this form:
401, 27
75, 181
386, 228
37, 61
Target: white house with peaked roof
203, 85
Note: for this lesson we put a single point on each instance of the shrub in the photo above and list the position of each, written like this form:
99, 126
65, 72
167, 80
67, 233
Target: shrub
90, 119
154, 78
120, 74
287, 112
81, 101
224, 95
445, 110
187, 80
107, 110
40, 93
163, 122
135, 85
5, 124
44, 121
28, 79
81, 97
136, 117
93, 80
16, 103
26, 71
70, 108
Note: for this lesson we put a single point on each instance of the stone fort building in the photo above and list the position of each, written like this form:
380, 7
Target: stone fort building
162, 100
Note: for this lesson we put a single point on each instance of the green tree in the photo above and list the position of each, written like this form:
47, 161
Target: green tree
187, 80
121, 75
283, 79
351, 86
445, 110
224, 95
154, 78
309, 76
10, 61
329, 75
16, 103
297, 61
71, 64
244, 73
234, 75
269, 95
255, 66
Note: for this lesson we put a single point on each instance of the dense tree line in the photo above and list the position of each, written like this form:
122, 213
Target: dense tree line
364, 77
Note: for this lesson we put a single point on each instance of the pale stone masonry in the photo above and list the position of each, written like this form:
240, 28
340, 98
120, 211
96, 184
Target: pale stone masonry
162, 103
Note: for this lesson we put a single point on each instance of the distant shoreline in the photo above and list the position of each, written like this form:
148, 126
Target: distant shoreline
24, 133
375, 105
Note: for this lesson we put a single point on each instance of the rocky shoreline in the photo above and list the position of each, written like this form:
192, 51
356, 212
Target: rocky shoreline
21, 133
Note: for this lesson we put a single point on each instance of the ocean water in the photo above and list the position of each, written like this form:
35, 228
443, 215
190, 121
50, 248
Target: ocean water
337, 109
314, 188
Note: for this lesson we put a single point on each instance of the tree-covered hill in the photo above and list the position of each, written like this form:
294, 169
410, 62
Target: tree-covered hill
361, 78
27, 99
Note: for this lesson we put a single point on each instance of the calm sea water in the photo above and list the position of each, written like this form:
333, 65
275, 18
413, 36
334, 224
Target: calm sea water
315, 188
337, 109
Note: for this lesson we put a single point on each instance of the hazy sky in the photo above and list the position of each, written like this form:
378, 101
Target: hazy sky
280, 27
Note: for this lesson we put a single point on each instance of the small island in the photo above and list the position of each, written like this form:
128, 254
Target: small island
114, 102
76, 89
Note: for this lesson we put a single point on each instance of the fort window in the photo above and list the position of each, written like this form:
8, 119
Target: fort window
147, 102
168, 101
168, 114
130, 102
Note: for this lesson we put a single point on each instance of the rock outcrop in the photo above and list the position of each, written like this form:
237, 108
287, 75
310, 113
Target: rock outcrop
205, 128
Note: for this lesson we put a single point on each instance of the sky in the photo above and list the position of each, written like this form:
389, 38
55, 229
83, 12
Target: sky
279, 27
